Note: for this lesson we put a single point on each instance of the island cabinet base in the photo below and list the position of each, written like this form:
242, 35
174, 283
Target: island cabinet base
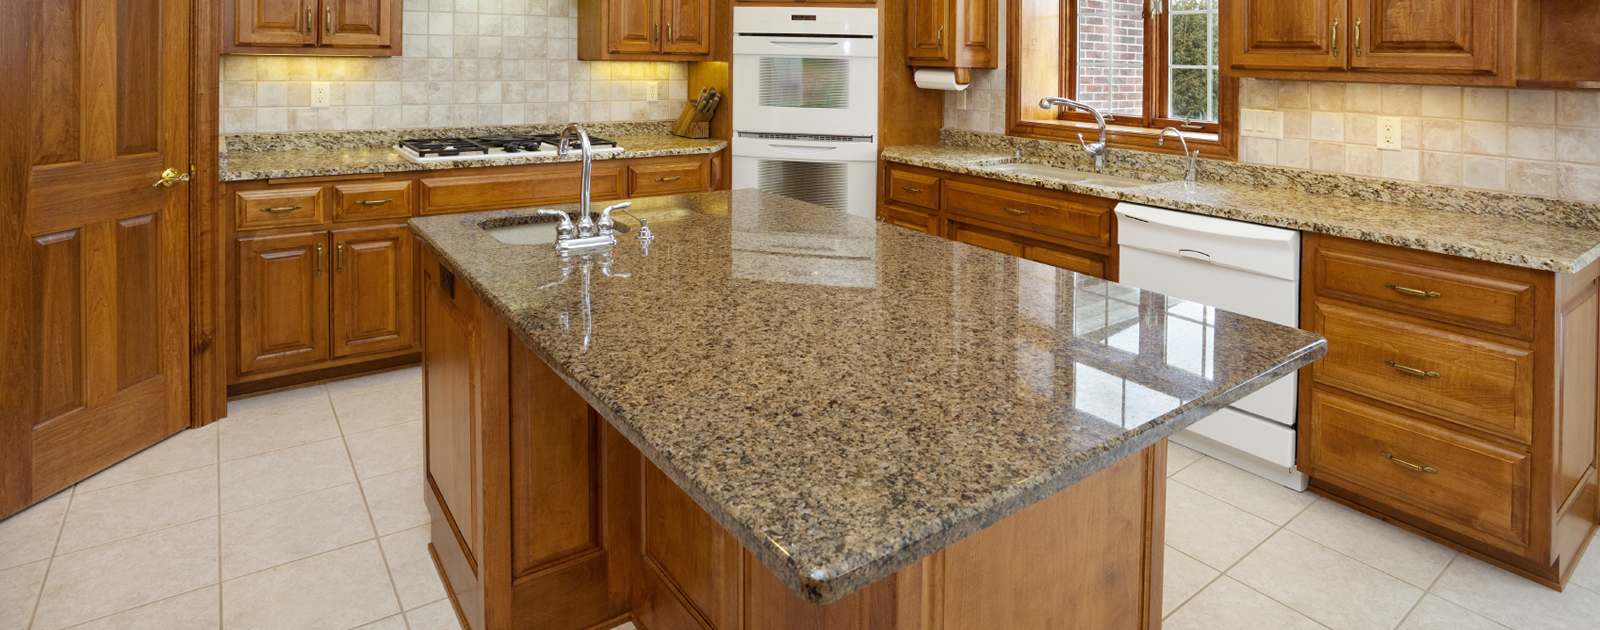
546, 517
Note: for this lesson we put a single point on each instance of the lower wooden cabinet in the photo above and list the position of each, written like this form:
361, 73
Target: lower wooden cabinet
373, 290
283, 301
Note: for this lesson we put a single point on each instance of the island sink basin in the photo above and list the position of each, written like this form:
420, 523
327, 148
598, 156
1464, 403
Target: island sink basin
1068, 175
541, 232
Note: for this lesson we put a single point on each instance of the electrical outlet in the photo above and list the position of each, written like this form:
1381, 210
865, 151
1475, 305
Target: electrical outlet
1388, 133
319, 95
652, 91
1261, 123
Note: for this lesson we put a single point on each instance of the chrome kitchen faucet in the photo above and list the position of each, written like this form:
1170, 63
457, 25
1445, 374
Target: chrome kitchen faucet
588, 233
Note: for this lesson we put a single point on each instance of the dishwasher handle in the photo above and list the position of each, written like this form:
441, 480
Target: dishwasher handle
1194, 254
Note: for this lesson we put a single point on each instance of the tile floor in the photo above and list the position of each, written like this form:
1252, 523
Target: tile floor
303, 511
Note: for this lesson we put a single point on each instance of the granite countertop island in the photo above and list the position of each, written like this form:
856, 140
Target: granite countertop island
846, 397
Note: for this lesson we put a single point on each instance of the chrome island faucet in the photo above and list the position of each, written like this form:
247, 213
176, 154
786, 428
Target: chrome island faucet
588, 232
1098, 149
1188, 173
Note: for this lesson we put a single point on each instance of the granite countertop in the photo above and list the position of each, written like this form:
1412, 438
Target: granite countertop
355, 160
847, 397
1505, 238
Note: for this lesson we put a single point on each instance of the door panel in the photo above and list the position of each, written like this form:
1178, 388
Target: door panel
364, 23
688, 27
274, 22
283, 301
1287, 34
372, 291
1425, 35
635, 26
93, 309
927, 31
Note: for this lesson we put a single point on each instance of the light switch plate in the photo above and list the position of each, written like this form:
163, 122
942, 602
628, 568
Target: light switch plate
319, 95
1261, 123
1388, 133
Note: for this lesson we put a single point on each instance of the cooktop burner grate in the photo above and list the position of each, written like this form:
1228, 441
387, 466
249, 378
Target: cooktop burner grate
493, 145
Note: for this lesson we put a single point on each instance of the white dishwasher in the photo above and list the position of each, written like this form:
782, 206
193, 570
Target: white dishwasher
1240, 267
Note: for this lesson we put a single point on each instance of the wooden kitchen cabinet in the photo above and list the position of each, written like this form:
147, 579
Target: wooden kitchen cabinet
369, 28
953, 33
373, 292
645, 30
1286, 34
282, 285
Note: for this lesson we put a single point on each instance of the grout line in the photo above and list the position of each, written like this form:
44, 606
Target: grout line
147, 449
217, 446
51, 561
152, 603
394, 589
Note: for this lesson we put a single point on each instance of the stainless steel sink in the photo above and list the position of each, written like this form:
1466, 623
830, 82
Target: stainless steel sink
539, 232
1068, 175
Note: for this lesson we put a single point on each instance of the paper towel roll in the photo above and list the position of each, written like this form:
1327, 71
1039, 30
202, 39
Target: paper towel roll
938, 79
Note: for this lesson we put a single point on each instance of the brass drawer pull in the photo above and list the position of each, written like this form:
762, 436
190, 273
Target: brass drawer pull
311, 24
669, 179
375, 202
338, 264
1333, 36
1413, 292
328, 23
1015, 211
1426, 469
910, 189
1411, 370
281, 209
319, 259
1358, 37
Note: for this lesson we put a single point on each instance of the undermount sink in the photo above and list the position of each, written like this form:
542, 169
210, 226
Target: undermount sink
1068, 175
539, 232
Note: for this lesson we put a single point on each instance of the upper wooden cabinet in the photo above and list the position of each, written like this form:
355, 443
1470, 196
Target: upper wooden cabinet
1530, 43
644, 30
313, 27
953, 33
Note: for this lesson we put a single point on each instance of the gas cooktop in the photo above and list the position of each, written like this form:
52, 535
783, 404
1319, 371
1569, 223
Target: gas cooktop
493, 147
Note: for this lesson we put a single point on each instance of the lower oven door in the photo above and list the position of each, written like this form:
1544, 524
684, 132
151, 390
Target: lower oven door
838, 175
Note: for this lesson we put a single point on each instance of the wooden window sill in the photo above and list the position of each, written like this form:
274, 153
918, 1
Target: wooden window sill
1211, 145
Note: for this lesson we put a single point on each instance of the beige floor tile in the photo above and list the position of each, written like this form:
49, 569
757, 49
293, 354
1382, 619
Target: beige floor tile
268, 477
1229, 605
19, 591
1390, 549
1433, 613
1209, 530
415, 578
1181, 578
117, 576
368, 409
340, 589
310, 395
1180, 457
268, 535
31, 535
139, 507
397, 622
295, 417
408, 376
1516, 602
1586, 575
187, 450
439, 615
195, 610
1325, 585
386, 450
396, 500
1244, 490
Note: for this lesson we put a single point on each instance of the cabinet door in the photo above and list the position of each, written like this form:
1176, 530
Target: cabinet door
1063, 258
1287, 34
929, 32
633, 27
372, 291
283, 301
358, 23
1424, 35
274, 23
687, 27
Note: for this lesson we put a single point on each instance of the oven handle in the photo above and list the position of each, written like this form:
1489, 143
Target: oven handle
795, 148
805, 45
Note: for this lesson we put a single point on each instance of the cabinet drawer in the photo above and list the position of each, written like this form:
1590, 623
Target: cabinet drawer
913, 189
1484, 385
653, 180
446, 195
1456, 481
1042, 213
1353, 273
278, 207
361, 202
910, 220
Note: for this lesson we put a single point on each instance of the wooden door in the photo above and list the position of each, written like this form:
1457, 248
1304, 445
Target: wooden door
633, 27
283, 300
1287, 34
687, 27
274, 22
929, 31
1424, 35
93, 257
358, 23
373, 299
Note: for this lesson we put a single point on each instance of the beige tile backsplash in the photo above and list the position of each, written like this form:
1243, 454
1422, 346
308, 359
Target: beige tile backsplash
466, 63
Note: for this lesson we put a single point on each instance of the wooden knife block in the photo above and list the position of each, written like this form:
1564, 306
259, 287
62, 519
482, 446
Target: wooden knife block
693, 125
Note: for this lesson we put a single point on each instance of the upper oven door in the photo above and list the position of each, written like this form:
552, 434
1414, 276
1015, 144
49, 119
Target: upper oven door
805, 84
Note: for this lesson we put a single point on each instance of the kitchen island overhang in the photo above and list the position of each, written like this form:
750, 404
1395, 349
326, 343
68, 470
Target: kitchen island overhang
843, 397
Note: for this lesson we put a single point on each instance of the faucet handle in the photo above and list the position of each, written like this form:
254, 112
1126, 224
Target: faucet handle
565, 229
606, 225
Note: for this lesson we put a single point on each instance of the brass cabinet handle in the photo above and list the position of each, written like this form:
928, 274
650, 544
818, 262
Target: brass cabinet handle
655, 36
1411, 370
1413, 292
319, 259
669, 179
327, 23
375, 202
910, 189
169, 177
311, 24
1333, 35
1417, 467
1016, 211
338, 265
281, 209
1358, 37
938, 39
669, 32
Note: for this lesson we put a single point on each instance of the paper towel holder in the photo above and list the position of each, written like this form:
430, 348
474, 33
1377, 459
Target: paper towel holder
959, 78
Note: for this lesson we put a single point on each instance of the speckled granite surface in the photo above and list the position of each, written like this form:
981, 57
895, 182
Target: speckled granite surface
304, 140
247, 165
848, 397
1539, 234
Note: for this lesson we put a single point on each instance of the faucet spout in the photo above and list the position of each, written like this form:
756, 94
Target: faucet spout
1098, 149
586, 225
1192, 169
